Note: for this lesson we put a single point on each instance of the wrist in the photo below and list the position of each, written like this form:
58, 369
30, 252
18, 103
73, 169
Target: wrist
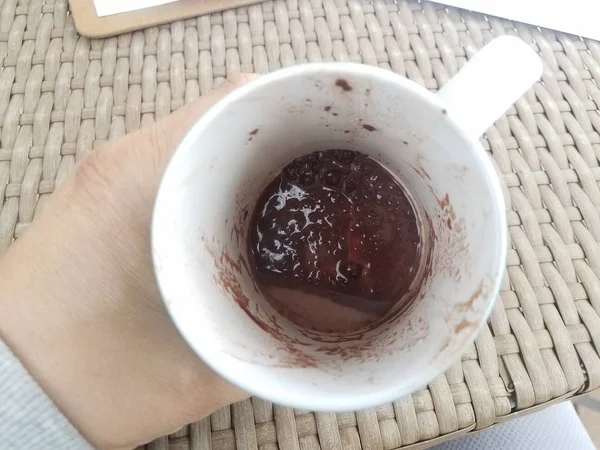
102, 358
34, 322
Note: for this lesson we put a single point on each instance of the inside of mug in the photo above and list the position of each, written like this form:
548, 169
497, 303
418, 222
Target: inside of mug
206, 202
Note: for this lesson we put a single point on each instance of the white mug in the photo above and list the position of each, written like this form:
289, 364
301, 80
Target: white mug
429, 141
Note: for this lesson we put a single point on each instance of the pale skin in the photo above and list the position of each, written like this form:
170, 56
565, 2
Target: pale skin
80, 307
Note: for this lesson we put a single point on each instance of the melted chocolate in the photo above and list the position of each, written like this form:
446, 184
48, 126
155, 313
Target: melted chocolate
335, 241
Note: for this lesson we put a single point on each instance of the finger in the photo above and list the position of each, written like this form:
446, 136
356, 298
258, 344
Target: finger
141, 157
168, 133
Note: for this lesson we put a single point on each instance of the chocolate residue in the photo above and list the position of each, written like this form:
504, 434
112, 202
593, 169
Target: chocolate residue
464, 324
420, 171
252, 134
335, 241
368, 127
236, 230
327, 108
346, 131
453, 243
445, 346
240, 220
235, 265
469, 303
335, 114
228, 271
244, 264
405, 142
444, 202
340, 82
364, 344
480, 292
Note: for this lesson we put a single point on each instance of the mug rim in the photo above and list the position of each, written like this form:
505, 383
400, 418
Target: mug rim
280, 393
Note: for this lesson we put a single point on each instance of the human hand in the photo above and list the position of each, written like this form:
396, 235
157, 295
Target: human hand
80, 307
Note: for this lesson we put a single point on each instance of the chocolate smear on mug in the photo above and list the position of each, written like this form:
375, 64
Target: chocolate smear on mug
340, 82
335, 242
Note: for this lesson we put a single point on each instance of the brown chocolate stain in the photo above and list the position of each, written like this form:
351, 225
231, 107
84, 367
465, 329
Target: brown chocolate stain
346, 131
327, 108
363, 341
420, 171
366, 344
229, 269
335, 114
452, 244
469, 303
227, 279
445, 346
252, 134
362, 345
235, 265
463, 325
236, 231
340, 82
481, 291
368, 127
444, 202
239, 223
242, 261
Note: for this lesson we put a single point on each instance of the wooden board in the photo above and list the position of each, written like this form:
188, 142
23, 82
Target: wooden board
89, 24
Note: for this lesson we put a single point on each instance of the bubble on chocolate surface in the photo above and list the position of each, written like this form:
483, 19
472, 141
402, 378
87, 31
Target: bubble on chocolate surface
307, 177
351, 269
344, 156
333, 177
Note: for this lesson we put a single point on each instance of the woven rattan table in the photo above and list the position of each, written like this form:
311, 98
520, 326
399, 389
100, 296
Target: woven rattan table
62, 95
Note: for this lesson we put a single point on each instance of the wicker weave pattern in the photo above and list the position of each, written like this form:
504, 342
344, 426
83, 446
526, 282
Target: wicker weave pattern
62, 95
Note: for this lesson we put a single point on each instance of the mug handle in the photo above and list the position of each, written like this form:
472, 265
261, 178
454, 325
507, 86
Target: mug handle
487, 85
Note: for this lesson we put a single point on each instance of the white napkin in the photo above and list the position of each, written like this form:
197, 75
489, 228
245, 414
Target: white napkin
109, 7
578, 17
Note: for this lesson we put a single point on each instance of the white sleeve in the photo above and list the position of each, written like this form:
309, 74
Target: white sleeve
28, 418
557, 427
